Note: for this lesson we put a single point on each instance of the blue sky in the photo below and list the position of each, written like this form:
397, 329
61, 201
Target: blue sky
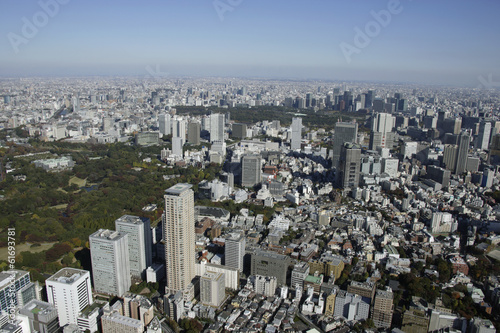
444, 42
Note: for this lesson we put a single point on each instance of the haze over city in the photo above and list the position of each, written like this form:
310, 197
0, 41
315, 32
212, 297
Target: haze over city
445, 42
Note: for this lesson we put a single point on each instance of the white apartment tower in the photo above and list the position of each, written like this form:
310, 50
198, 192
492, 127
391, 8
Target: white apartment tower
235, 251
296, 133
139, 242
216, 127
165, 123
69, 290
212, 288
110, 262
178, 229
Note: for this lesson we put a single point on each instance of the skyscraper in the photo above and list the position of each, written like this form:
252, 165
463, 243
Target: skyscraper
216, 127
194, 129
349, 166
165, 123
483, 136
235, 251
139, 242
463, 150
296, 133
251, 173
70, 292
179, 129
344, 132
178, 229
381, 134
110, 262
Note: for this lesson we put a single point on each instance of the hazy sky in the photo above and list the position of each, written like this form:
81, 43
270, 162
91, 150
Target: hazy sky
449, 41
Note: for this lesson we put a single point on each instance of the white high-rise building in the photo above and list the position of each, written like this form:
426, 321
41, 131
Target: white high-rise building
179, 129
177, 146
165, 123
139, 242
216, 127
235, 251
212, 288
265, 285
296, 133
381, 134
110, 262
179, 237
483, 136
69, 290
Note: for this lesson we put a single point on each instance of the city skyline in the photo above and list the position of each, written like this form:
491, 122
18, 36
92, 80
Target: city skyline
404, 41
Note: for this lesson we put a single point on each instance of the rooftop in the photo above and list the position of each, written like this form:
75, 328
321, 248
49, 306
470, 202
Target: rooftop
107, 234
67, 275
177, 189
130, 219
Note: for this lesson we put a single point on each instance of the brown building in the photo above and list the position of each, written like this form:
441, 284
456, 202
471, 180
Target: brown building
364, 289
328, 266
458, 264
383, 308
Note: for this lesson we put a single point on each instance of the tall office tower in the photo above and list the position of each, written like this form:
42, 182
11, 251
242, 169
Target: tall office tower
381, 134
450, 157
70, 292
110, 262
463, 150
296, 133
178, 234
165, 123
378, 105
24, 291
140, 243
349, 166
344, 132
251, 174
212, 288
177, 144
452, 125
383, 308
235, 251
370, 96
483, 136
42, 316
179, 129
194, 129
239, 131
216, 127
